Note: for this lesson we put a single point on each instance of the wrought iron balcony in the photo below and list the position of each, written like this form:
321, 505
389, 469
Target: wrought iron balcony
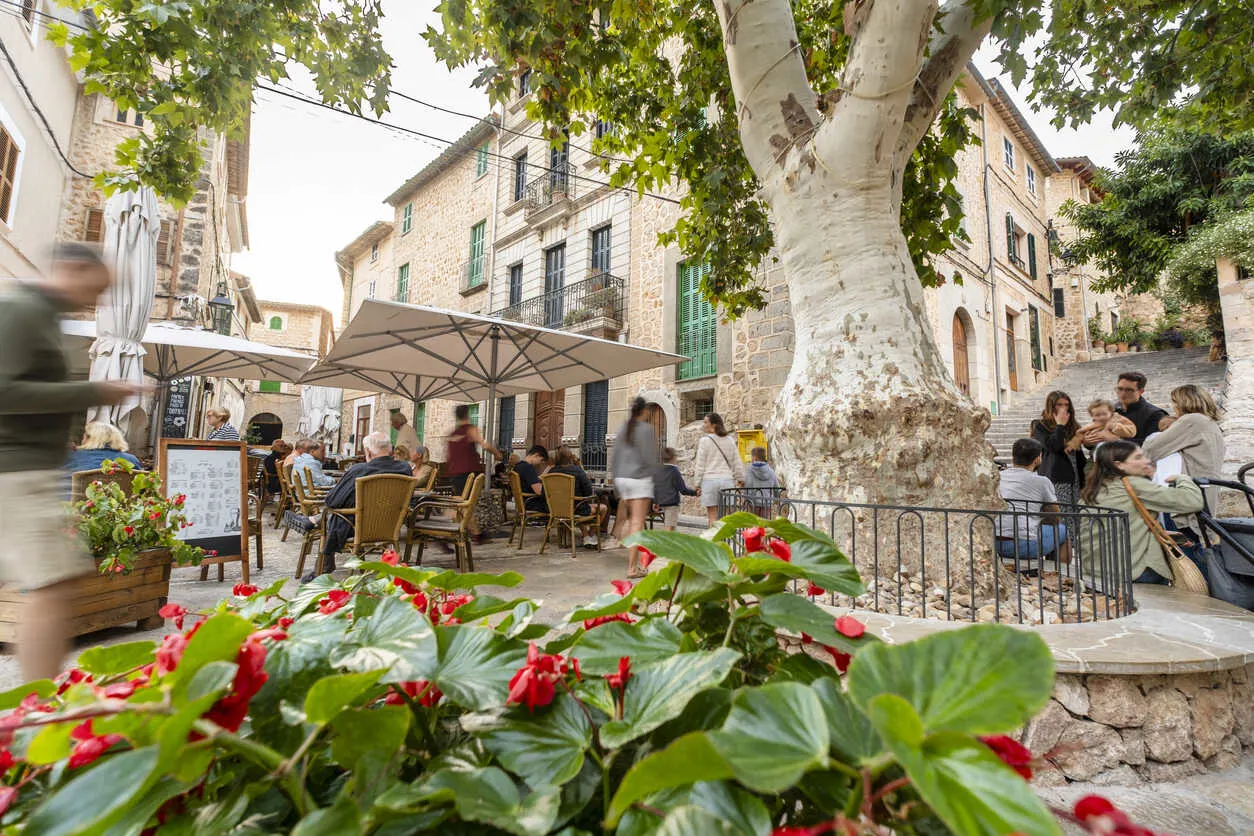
554, 186
598, 303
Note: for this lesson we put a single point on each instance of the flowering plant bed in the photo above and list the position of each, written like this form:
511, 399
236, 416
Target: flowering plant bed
402, 701
117, 525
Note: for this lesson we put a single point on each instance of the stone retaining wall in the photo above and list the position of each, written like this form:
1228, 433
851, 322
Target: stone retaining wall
1113, 729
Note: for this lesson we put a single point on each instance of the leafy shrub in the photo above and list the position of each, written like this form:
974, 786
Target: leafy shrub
117, 526
399, 701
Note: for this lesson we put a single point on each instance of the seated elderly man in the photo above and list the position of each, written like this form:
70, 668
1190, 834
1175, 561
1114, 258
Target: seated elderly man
309, 459
379, 459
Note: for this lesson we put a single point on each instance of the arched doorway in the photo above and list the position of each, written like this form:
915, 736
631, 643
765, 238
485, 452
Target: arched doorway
266, 426
962, 362
657, 419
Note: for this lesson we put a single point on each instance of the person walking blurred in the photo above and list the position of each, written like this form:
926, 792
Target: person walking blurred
38, 406
634, 464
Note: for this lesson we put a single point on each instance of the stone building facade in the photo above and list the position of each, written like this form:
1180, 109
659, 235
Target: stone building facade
435, 251
276, 409
562, 249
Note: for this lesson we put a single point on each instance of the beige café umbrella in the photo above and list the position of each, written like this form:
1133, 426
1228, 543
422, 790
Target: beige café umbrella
132, 223
422, 353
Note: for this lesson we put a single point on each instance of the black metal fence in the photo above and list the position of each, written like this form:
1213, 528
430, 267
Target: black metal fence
1029, 563
556, 183
600, 296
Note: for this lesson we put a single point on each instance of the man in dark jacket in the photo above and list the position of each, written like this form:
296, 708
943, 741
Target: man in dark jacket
378, 450
38, 405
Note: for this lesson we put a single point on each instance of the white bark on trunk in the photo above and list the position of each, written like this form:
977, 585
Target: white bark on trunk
869, 412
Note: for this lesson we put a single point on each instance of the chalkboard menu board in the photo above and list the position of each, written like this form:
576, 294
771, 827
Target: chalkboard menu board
214, 477
177, 409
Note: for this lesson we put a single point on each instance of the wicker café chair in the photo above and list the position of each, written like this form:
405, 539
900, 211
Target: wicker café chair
256, 504
522, 514
454, 529
286, 500
380, 511
82, 478
429, 502
309, 503
559, 490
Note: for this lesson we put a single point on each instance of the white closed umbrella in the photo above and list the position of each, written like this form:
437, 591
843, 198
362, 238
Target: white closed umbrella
132, 225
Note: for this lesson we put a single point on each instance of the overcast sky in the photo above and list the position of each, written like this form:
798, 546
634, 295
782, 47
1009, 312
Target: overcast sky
317, 178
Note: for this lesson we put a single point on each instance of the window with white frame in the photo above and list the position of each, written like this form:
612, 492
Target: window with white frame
374, 251
12, 147
1031, 172
1008, 153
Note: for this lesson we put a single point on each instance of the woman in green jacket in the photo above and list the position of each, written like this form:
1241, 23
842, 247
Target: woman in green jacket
1117, 460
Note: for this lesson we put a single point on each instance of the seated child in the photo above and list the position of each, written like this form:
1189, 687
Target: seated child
668, 486
759, 479
1103, 416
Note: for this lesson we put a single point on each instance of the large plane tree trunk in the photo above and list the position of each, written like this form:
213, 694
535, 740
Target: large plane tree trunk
869, 412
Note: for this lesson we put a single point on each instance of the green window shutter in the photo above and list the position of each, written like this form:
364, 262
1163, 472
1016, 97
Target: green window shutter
481, 160
270, 386
1010, 236
407, 218
1032, 255
474, 273
402, 283
276, 323
1034, 335
474, 414
420, 421
698, 325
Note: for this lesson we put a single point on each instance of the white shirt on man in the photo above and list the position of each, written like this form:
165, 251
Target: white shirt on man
1024, 491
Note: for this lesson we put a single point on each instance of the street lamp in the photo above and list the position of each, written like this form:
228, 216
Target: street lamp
220, 309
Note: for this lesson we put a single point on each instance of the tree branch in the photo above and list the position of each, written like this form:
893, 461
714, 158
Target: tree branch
889, 37
774, 101
948, 54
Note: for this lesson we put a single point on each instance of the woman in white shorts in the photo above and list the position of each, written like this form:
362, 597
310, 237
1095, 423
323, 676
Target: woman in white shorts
635, 461
718, 466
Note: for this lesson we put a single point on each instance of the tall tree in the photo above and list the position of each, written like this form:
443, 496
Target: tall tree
1172, 186
794, 123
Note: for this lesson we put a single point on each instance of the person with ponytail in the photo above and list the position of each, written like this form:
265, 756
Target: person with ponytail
1121, 465
633, 466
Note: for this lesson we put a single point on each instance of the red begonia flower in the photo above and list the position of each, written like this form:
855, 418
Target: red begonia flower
814, 590
89, 746
1099, 816
755, 538
1011, 752
7, 796
618, 681
621, 587
175, 613
170, 652
71, 677
408, 588
285, 622
391, 558
646, 556
535, 683
606, 619
230, 711
334, 600
839, 659
780, 549
850, 627
243, 590
812, 830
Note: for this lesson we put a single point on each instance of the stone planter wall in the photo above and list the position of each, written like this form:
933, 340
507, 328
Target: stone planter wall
1116, 729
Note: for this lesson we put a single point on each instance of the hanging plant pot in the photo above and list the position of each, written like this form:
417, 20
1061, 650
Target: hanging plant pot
99, 600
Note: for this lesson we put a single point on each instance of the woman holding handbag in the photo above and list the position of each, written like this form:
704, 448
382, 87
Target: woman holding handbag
1121, 478
718, 466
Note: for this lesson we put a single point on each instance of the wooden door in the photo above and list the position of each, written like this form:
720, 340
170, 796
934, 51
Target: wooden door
1012, 365
550, 414
962, 368
657, 419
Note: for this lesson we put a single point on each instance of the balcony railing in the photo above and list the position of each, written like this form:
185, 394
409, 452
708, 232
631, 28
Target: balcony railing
602, 296
474, 275
555, 184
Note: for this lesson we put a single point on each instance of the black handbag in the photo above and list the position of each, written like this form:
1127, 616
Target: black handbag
1229, 573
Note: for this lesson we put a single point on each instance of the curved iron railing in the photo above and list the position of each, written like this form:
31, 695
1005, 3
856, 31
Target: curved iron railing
1073, 562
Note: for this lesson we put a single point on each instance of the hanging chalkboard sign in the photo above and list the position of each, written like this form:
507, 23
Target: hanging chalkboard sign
213, 475
177, 408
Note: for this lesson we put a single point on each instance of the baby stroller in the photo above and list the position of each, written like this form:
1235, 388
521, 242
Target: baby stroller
1228, 547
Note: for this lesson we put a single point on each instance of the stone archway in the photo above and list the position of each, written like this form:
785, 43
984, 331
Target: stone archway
267, 425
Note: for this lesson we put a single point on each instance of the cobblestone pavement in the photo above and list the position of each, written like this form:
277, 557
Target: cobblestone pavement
1217, 804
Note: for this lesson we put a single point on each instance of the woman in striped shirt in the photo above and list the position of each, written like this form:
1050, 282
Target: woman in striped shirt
220, 428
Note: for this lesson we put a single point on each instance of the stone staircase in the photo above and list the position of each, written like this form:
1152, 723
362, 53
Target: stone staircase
1096, 379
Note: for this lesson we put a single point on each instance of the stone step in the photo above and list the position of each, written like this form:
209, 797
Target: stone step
1095, 378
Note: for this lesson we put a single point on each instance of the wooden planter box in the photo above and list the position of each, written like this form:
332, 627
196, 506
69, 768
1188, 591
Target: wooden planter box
100, 601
